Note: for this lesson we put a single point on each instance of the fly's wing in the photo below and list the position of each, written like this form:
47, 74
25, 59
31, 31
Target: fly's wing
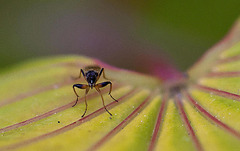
92, 67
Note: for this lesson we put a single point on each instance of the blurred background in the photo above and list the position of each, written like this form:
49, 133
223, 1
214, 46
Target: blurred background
117, 32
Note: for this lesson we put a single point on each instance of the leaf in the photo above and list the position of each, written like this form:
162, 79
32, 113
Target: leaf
195, 112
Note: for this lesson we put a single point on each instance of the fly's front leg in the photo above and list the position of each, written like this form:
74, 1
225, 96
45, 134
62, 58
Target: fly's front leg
87, 89
97, 88
103, 84
80, 86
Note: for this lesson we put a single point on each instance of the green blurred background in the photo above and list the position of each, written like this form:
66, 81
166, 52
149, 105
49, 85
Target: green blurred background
117, 32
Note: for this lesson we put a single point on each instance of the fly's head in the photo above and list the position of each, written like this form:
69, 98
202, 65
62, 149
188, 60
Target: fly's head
92, 77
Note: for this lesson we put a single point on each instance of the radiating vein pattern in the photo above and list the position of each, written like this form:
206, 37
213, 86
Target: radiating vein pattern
124, 123
211, 136
173, 134
201, 112
186, 121
212, 117
158, 123
65, 128
36, 115
212, 103
49, 113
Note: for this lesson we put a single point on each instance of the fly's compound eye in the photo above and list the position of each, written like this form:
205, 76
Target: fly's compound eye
91, 74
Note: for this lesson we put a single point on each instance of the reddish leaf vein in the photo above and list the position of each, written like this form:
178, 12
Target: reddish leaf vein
224, 74
67, 127
56, 110
187, 124
121, 125
158, 123
219, 92
49, 113
230, 59
206, 113
36, 91
31, 93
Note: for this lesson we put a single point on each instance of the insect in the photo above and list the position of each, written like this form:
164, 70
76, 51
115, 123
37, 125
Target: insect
92, 75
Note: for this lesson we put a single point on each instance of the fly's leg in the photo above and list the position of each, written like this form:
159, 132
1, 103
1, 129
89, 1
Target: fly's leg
81, 86
102, 99
103, 84
85, 101
81, 73
102, 73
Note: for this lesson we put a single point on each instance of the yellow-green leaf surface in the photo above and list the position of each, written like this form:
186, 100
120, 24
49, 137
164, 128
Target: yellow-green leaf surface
200, 111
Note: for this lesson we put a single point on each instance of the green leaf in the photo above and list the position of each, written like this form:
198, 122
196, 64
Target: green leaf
200, 111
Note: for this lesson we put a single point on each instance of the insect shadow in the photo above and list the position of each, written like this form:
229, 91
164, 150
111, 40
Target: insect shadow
92, 75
